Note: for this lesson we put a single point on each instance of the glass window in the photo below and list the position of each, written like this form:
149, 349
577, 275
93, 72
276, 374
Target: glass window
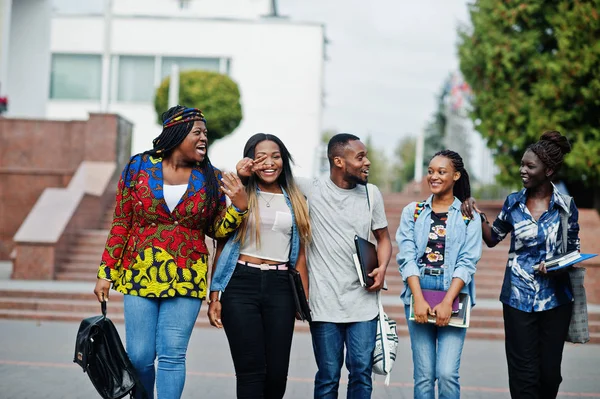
76, 77
205, 64
136, 79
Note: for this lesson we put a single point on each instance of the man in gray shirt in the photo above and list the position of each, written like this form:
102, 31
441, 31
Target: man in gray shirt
344, 313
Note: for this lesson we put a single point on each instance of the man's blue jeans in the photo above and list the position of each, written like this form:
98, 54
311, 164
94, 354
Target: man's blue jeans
328, 344
436, 353
160, 328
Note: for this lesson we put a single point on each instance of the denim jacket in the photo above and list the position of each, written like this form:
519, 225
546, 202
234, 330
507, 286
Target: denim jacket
461, 254
231, 252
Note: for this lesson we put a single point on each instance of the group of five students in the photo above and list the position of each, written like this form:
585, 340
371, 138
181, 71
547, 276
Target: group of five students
171, 197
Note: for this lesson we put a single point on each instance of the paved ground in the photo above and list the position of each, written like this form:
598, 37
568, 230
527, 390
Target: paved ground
36, 362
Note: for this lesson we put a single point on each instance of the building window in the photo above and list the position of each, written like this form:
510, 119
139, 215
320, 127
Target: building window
76, 77
136, 79
185, 64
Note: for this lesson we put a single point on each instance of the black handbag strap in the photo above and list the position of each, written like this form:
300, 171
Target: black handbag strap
103, 306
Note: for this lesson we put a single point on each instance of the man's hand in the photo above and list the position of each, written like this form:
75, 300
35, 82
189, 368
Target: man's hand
379, 276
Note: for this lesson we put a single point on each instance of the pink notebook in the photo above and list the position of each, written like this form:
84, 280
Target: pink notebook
434, 297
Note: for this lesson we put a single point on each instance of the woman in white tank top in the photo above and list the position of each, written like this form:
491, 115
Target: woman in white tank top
256, 307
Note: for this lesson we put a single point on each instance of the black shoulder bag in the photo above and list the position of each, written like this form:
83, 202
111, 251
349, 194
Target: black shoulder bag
100, 352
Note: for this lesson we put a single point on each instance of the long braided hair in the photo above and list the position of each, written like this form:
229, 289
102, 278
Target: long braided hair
551, 150
178, 121
462, 187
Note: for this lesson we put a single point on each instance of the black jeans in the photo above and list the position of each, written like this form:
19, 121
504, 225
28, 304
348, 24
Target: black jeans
534, 346
258, 313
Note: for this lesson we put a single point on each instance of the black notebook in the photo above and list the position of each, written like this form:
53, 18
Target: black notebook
365, 260
302, 307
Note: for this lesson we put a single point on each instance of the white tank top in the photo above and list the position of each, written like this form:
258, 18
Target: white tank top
173, 194
275, 229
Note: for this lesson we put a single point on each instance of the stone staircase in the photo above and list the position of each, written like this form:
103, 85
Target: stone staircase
71, 298
81, 261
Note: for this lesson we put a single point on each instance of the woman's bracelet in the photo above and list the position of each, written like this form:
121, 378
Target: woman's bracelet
239, 211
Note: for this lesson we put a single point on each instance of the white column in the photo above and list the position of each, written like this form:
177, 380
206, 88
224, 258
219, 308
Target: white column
174, 86
5, 12
105, 92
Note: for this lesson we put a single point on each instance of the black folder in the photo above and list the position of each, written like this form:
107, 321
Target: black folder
367, 257
299, 295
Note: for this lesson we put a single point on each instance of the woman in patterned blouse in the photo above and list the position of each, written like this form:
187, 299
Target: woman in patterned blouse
537, 306
168, 199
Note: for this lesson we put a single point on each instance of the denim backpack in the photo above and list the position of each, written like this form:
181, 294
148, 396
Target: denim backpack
419, 206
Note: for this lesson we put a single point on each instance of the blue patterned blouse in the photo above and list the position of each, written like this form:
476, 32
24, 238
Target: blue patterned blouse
532, 242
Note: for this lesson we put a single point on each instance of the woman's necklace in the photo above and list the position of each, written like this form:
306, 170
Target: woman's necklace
267, 201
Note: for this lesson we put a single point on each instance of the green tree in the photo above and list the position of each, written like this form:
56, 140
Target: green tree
403, 170
378, 172
215, 94
435, 131
535, 66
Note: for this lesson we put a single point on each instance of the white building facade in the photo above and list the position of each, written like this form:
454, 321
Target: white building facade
112, 59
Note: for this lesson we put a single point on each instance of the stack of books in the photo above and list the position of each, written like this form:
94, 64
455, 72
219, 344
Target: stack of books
461, 308
566, 260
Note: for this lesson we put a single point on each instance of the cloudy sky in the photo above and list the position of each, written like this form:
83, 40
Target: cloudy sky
387, 60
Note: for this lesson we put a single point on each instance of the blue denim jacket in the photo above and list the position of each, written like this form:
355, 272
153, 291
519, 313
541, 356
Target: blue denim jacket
462, 252
231, 252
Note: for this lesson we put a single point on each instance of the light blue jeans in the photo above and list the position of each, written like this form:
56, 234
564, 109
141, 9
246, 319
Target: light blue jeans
328, 344
436, 352
160, 328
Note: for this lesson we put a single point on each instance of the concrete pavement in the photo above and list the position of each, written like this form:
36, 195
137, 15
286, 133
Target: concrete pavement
36, 362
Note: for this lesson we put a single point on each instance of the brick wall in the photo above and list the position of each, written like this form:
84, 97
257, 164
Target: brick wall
36, 154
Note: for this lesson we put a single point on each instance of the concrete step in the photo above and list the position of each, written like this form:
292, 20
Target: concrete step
90, 266
76, 276
86, 248
74, 257
473, 332
487, 312
71, 305
93, 233
79, 295
201, 322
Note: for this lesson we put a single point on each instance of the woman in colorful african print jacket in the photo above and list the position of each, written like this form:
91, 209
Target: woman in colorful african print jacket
537, 306
168, 199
